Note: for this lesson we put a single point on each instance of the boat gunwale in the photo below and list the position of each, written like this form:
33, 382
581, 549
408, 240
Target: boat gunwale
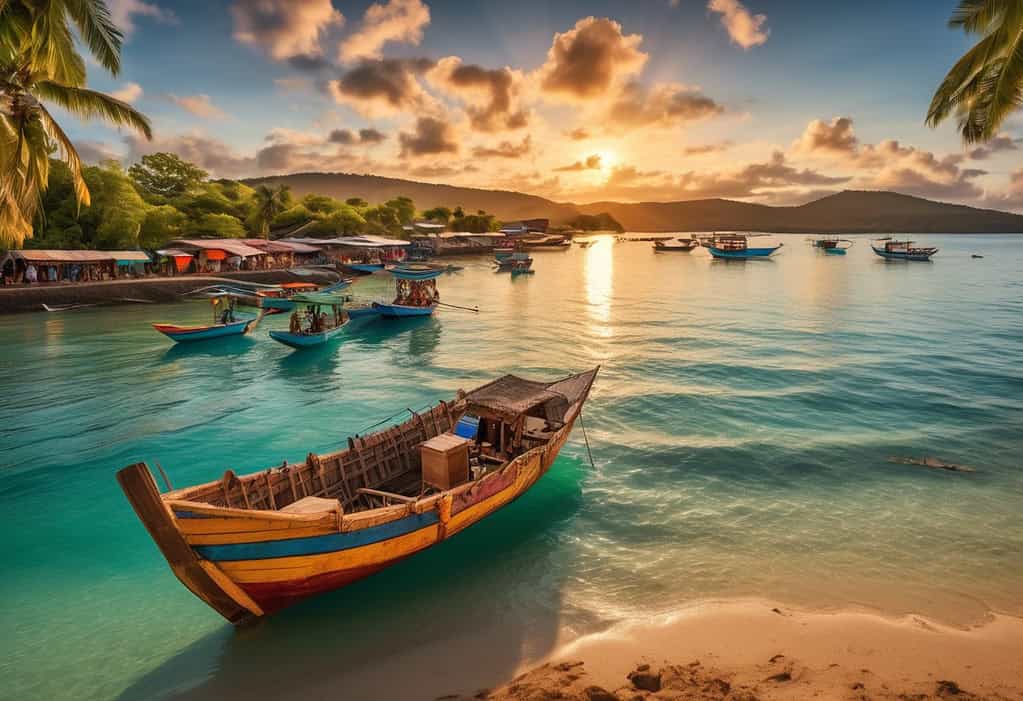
357, 520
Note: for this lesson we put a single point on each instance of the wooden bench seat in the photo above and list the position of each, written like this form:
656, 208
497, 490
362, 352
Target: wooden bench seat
312, 505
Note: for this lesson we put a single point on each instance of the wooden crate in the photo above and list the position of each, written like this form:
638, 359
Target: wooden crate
445, 461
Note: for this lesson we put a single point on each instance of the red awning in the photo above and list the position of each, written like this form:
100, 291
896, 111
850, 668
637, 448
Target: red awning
215, 254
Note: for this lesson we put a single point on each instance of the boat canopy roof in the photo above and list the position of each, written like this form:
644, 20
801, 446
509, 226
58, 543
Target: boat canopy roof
416, 272
318, 298
510, 396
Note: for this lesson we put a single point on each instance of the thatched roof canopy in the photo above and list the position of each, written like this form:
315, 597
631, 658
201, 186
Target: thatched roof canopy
509, 397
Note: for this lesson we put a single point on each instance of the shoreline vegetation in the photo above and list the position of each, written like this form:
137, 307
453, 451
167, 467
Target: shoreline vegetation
748, 650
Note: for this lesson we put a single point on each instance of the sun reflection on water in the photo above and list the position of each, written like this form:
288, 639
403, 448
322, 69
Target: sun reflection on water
599, 272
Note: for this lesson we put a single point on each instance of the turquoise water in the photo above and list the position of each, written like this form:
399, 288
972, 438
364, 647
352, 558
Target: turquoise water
739, 428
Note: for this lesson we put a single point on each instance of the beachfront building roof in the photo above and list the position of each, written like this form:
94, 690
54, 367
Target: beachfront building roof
56, 257
362, 241
268, 246
233, 247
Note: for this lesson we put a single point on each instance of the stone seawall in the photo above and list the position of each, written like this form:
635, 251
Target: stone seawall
31, 298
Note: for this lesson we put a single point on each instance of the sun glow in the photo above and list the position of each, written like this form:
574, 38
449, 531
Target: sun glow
608, 159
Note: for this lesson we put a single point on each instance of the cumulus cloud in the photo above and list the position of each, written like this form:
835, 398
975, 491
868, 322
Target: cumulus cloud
505, 149
383, 87
492, 94
588, 60
123, 13
996, 145
211, 155
431, 136
285, 29
834, 137
129, 92
664, 105
199, 105
396, 21
592, 162
745, 29
579, 134
347, 137
702, 149
96, 152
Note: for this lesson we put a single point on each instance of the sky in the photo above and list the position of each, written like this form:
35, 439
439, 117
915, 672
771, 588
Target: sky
770, 101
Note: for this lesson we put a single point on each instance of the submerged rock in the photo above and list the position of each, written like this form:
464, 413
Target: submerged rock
931, 462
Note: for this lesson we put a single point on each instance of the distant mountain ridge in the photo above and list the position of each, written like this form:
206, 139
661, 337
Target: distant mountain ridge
846, 212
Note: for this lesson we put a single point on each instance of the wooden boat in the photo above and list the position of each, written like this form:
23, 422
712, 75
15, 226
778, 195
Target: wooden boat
742, 246
323, 325
676, 244
226, 322
251, 545
892, 249
831, 245
503, 252
415, 292
544, 242
517, 259
522, 270
280, 300
364, 268
583, 243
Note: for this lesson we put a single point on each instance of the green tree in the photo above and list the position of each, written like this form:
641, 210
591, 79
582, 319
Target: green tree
986, 84
160, 225
166, 175
219, 226
293, 216
438, 214
357, 202
39, 62
345, 221
404, 209
114, 219
321, 204
268, 203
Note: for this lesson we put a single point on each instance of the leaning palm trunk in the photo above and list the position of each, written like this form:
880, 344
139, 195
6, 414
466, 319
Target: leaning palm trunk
986, 84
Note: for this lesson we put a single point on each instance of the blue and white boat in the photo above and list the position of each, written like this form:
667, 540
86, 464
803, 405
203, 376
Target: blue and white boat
892, 249
743, 246
366, 268
325, 318
400, 311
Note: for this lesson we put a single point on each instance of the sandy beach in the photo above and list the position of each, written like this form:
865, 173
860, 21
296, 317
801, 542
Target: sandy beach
761, 650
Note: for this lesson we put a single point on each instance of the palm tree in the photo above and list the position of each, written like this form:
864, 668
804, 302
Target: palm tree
986, 84
39, 62
270, 201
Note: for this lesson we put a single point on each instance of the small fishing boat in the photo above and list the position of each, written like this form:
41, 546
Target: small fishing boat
517, 259
584, 243
678, 243
253, 544
742, 246
324, 319
522, 268
364, 268
893, 249
831, 245
503, 252
544, 242
226, 322
976, 255
415, 292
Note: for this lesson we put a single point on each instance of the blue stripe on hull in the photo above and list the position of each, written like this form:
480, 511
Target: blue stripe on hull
748, 253
316, 545
234, 329
398, 310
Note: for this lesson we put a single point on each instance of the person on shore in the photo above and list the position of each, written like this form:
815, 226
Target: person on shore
30, 274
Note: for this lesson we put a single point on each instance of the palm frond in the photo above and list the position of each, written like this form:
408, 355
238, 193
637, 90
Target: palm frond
51, 48
91, 103
977, 16
100, 34
951, 91
68, 154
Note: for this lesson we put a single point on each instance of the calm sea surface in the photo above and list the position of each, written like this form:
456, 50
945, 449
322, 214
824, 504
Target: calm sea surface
740, 430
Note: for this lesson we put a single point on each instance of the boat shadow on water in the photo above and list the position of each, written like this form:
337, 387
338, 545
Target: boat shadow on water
213, 348
447, 620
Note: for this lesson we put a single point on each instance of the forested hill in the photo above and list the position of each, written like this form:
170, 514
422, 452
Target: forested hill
850, 211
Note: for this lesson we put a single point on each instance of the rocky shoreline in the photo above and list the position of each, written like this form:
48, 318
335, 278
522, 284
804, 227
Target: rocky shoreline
31, 298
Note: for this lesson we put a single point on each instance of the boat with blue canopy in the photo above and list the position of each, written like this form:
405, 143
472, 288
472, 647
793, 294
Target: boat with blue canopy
323, 319
226, 322
415, 291
743, 246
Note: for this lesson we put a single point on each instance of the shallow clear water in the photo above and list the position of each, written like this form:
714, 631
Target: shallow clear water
740, 428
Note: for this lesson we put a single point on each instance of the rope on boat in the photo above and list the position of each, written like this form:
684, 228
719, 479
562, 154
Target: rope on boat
587, 439
164, 475
455, 306
392, 416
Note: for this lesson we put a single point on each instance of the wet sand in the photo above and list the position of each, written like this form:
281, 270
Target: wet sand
758, 650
